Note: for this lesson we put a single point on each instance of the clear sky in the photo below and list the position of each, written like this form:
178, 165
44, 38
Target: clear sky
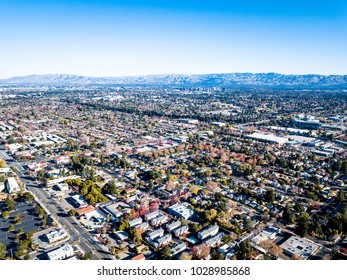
137, 37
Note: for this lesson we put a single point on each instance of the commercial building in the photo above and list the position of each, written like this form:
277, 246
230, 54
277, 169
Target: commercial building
61, 253
306, 121
300, 247
56, 235
267, 138
11, 185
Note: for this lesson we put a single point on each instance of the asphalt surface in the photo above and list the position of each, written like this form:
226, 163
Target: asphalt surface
77, 233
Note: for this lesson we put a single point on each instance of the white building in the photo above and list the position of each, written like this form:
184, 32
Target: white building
151, 215
301, 247
181, 230
173, 225
61, 253
11, 185
179, 247
162, 240
181, 210
135, 222
159, 220
56, 235
214, 240
207, 232
153, 234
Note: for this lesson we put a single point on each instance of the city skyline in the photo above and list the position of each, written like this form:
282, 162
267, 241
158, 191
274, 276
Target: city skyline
111, 38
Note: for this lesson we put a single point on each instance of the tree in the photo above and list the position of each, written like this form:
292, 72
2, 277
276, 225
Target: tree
72, 212
302, 224
270, 196
3, 251
111, 187
210, 215
243, 250
203, 251
123, 225
17, 219
165, 253
5, 214
10, 228
298, 207
9, 202
28, 197
136, 235
288, 215
185, 256
217, 256
2, 163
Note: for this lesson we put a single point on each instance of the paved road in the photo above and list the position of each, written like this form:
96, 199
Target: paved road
77, 233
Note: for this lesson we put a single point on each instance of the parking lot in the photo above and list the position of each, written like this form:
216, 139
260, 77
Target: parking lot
29, 222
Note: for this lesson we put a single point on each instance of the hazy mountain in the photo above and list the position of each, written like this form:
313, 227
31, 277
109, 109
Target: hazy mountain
224, 80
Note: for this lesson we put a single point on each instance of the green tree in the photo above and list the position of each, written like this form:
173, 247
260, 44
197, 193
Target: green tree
123, 225
243, 250
5, 214
302, 224
288, 215
269, 196
165, 253
298, 207
3, 253
185, 256
10, 228
72, 212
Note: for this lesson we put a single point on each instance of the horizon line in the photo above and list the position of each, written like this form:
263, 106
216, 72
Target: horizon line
167, 74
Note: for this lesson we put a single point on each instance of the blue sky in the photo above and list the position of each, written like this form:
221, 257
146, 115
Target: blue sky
134, 37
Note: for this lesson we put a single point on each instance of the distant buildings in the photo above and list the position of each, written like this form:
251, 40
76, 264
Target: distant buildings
306, 121
268, 138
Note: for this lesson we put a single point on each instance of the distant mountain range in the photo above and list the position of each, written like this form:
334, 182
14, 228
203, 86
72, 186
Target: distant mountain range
221, 80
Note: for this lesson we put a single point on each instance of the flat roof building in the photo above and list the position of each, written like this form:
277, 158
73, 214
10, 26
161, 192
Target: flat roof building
11, 185
61, 253
181, 210
301, 247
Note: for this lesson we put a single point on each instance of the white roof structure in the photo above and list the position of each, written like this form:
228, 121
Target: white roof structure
207, 232
135, 222
79, 200
301, 247
178, 248
214, 240
181, 210
152, 215
155, 233
56, 235
61, 253
181, 230
173, 225
11, 185
269, 137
